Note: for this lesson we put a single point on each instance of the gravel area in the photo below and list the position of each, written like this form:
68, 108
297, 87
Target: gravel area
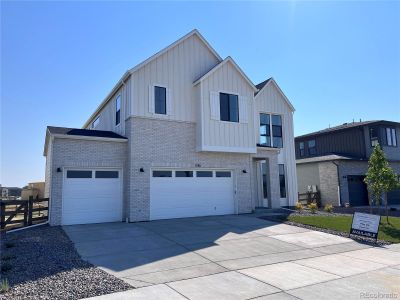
45, 265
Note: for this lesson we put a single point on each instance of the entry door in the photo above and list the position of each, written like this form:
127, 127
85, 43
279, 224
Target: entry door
358, 193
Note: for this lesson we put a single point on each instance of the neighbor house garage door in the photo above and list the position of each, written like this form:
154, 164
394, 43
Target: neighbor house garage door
190, 193
91, 196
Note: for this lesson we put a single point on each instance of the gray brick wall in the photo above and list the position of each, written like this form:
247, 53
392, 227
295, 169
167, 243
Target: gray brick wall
84, 154
160, 143
328, 187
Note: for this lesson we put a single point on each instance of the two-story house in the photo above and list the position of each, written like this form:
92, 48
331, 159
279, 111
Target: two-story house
335, 160
184, 133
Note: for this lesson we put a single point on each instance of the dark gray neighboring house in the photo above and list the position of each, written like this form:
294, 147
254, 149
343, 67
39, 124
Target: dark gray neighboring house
335, 160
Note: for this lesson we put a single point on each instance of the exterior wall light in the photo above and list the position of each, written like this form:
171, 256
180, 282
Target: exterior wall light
141, 170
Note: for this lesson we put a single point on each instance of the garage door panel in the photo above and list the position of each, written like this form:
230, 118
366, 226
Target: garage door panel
177, 197
91, 200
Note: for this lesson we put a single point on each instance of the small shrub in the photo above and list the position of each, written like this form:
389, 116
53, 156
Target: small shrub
313, 207
6, 266
328, 208
9, 244
299, 207
4, 286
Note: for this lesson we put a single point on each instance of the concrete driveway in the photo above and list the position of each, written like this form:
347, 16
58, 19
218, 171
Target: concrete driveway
236, 257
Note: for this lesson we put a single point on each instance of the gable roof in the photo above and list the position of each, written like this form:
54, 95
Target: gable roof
145, 62
218, 66
263, 85
346, 126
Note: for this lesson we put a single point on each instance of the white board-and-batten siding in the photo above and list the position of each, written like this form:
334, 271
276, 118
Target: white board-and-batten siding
271, 101
107, 113
217, 135
175, 70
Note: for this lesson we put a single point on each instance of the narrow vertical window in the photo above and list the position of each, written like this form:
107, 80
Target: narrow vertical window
301, 148
265, 130
282, 180
118, 110
394, 137
96, 122
312, 149
373, 136
389, 136
160, 100
277, 140
264, 180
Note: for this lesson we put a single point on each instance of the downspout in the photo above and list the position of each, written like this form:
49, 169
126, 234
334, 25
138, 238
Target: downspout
338, 179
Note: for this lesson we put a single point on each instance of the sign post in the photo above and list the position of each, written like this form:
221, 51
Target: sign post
365, 225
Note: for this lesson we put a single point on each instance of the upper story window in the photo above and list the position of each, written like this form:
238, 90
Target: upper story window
265, 130
374, 136
301, 148
391, 137
271, 134
229, 107
96, 122
312, 150
277, 140
118, 110
160, 100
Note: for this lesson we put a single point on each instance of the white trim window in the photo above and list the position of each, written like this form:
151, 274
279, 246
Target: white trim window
271, 132
118, 110
160, 100
229, 107
96, 122
391, 137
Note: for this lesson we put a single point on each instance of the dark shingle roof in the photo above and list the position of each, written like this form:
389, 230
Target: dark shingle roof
343, 126
84, 132
261, 85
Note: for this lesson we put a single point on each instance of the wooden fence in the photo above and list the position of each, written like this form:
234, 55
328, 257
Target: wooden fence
21, 213
310, 197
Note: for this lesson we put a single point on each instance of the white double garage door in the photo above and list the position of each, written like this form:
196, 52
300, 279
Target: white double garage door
95, 195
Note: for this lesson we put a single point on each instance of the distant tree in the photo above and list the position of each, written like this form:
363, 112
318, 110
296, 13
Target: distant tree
380, 178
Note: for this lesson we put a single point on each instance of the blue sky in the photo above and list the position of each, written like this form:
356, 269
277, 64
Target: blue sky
336, 61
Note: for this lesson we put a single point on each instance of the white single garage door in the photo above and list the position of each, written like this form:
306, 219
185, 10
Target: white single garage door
91, 196
190, 193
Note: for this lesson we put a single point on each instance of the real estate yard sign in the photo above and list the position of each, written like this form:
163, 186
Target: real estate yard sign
365, 225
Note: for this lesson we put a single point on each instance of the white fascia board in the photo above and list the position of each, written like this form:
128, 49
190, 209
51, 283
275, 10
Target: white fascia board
89, 138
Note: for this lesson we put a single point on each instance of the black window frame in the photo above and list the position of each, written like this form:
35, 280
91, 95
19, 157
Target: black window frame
264, 180
73, 174
374, 140
393, 138
102, 174
160, 172
312, 150
223, 174
282, 181
267, 127
118, 110
186, 173
202, 173
160, 105
301, 149
277, 132
227, 104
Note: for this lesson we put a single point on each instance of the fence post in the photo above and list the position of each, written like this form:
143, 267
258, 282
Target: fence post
30, 207
3, 214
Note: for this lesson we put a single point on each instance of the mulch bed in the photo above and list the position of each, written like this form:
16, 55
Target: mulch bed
45, 265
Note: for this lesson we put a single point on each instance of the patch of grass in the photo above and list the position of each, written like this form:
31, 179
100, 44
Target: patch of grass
4, 286
387, 232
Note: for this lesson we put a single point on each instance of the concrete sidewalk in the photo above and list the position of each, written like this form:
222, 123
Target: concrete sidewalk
236, 257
